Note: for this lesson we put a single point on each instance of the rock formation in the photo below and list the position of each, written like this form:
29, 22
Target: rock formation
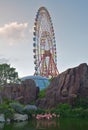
26, 92
66, 87
63, 89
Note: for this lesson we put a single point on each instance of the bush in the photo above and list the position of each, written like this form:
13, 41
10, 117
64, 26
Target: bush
42, 93
17, 107
81, 102
56, 111
85, 113
63, 106
40, 111
3, 107
77, 112
62, 109
7, 111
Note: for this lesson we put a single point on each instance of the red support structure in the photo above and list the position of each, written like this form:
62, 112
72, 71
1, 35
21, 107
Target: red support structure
49, 70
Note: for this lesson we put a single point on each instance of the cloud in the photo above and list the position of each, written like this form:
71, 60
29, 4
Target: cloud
13, 31
3, 60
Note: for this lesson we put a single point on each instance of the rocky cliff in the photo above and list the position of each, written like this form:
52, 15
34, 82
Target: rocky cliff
26, 92
63, 89
66, 87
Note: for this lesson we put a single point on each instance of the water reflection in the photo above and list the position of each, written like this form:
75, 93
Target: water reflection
41, 124
1, 125
57, 124
20, 125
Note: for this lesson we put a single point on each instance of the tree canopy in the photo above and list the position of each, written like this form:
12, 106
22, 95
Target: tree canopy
8, 74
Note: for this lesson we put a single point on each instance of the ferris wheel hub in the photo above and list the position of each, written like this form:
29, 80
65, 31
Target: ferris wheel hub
47, 53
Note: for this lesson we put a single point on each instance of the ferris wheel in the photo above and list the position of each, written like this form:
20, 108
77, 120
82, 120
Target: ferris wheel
45, 56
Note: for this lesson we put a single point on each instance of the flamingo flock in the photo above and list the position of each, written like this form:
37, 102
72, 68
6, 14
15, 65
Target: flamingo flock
46, 116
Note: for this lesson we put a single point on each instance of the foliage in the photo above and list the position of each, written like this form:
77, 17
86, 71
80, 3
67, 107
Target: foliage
17, 107
42, 93
40, 111
65, 110
7, 111
62, 109
8, 108
63, 106
51, 79
85, 113
7, 101
8, 75
81, 102
32, 103
77, 112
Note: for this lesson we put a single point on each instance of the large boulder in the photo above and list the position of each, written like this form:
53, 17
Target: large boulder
66, 87
29, 91
19, 117
26, 92
30, 107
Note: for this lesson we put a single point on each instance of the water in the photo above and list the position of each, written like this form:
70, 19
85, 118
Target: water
56, 124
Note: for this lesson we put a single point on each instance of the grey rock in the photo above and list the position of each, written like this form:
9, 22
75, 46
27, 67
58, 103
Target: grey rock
2, 118
19, 117
30, 107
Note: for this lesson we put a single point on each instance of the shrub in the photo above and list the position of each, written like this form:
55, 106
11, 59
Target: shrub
62, 109
77, 112
7, 111
63, 106
81, 102
17, 107
40, 111
42, 93
85, 113
56, 111
3, 107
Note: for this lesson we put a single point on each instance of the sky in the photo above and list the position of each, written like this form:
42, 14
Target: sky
70, 22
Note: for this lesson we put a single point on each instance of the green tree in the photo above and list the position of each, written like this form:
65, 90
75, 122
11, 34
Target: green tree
8, 75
